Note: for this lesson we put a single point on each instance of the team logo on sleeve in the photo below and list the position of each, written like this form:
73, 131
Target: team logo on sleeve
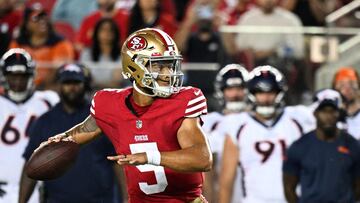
137, 43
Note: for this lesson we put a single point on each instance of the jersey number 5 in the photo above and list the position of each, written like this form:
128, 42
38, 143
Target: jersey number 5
159, 171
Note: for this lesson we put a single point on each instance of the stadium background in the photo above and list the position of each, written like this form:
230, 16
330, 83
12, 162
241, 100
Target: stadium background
330, 41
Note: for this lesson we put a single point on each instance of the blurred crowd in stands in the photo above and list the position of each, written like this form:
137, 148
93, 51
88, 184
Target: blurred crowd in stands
55, 32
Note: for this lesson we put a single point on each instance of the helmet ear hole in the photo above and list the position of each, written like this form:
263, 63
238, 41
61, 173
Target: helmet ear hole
132, 69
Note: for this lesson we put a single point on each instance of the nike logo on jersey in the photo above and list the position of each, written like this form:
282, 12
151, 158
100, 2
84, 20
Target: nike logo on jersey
343, 150
197, 92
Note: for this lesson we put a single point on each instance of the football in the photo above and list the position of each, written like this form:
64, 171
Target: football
52, 160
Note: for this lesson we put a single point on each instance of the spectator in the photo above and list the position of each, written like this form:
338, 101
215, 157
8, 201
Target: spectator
285, 51
311, 13
149, 13
235, 11
10, 18
106, 9
166, 5
103, 58
326, 162
346, 81
9, 21
73, 11
20, 106
5, 40
201, 43
125, 4
92, 176
181, 6
204, 43
38, 37
266, 48
232, 15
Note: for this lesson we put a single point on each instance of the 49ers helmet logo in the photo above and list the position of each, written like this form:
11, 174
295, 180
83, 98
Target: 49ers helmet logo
137, 43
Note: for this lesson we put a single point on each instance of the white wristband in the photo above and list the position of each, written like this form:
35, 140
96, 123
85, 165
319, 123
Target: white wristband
153, 157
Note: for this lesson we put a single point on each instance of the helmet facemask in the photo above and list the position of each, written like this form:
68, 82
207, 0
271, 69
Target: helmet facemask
267, 79
152, 61
267, 111
16, 95
155, 76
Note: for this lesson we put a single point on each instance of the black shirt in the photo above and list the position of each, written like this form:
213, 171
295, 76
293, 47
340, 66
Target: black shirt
91, 179
327, 170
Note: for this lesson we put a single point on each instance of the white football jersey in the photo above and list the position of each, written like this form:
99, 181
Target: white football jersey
353, 125
304, 115
15, 120
211, 122
262, 149
214, 128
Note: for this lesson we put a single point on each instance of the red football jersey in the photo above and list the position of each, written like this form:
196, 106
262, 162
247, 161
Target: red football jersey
154, 130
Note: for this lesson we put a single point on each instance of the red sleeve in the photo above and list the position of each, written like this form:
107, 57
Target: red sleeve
98, 104
93, 104
196, 104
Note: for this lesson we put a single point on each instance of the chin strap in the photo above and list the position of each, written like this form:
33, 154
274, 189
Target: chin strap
17, 96
20, 96
162, 91
266, 111
235, 106
159, 91
140, 91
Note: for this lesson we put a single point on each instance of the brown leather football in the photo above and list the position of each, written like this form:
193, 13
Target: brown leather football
52, 160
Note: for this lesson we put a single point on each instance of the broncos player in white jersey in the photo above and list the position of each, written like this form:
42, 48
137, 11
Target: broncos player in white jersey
19, 107
258, 140
230, 90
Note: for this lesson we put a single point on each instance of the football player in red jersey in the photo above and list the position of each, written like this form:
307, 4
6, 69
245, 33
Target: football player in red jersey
154, 125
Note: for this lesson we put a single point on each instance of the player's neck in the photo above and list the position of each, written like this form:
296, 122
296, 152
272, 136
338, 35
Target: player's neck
324, 135
264, 120
353, 108
71, 108
142, 100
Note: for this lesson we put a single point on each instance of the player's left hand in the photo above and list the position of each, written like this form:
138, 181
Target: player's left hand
129, 159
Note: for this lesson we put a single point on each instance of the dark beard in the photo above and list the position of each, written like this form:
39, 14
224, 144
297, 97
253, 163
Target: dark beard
75, 101
348, 102
330, 132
